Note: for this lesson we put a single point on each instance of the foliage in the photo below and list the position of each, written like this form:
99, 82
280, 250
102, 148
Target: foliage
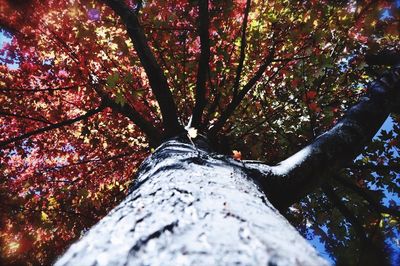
79, 81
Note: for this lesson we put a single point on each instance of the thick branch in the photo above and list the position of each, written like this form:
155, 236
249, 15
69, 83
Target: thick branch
203, 66
148, 129
53, 126
158, 81
385, 57
237, 99
128, 111
301, 173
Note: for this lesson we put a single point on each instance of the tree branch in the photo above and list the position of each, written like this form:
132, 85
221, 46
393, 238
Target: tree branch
291, 58
53, 126
148, 129
88, 161
385, 57
304, 171
243, 44
236, 100
203, 67
348, 214
2, 113
379, 207
376, 167
128, 111
41, 90
157, 80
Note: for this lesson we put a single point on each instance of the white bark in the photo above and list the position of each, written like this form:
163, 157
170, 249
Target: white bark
192, 207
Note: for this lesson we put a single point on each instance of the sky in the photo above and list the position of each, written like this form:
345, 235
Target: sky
3, 39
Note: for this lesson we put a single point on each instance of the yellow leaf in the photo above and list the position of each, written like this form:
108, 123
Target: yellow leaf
44, 217
52, 203
381, 223
192, 132
113, 46
13, 246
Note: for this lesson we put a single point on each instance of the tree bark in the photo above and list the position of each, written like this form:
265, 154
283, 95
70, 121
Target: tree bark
190, 206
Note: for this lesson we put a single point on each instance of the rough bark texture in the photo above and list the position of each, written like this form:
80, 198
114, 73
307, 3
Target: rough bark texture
192, 207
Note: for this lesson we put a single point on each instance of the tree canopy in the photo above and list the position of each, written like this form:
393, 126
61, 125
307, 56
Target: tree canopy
89, 88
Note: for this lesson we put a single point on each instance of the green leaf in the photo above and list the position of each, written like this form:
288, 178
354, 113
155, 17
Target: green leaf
128, 78
119, 98
112, 80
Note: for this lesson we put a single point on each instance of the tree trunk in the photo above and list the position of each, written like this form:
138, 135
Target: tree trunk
190, 206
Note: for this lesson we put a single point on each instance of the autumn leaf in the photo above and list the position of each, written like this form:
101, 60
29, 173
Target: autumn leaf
310, 95
314, 107
237, 155
44, 217
192, 133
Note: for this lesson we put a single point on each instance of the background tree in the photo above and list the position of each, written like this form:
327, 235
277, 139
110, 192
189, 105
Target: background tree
87, 86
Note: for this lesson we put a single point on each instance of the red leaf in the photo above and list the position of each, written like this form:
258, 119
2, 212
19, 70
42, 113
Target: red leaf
310, 95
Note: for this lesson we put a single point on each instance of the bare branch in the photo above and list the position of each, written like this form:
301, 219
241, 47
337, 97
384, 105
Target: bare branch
243, 44
53, 126
203, 67
168, 28
376, 167
3, 113
237, 99
88, 161
41, 90
294, 58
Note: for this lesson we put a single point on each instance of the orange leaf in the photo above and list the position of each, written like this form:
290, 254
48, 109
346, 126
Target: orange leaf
237, 155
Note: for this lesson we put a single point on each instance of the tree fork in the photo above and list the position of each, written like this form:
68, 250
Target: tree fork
307, 169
